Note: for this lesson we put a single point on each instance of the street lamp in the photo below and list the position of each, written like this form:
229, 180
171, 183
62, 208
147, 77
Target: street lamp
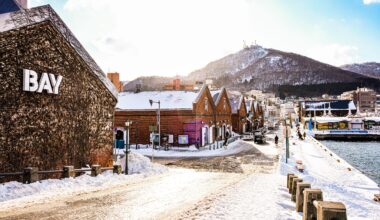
286, 142
128, 123
158, 121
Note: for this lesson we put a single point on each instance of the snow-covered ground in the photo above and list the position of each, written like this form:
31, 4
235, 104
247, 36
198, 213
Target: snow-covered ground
233, 148
190, 194
337, 183
21, 193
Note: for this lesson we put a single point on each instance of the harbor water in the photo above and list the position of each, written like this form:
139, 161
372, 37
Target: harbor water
364, 156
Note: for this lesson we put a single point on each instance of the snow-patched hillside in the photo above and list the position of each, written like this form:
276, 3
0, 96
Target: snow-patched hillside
261, 68
370, 69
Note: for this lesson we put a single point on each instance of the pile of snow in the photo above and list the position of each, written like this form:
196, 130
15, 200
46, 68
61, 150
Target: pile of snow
233, 148
138, 165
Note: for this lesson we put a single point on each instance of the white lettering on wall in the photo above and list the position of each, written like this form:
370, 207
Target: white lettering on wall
48, 82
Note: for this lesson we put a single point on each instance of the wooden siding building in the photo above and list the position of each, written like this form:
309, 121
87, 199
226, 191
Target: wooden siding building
57, 105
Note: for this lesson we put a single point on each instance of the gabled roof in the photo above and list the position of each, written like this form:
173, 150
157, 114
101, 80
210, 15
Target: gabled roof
23, 18
217, 95
236, 102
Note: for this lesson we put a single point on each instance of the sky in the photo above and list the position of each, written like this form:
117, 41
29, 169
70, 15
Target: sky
176, 37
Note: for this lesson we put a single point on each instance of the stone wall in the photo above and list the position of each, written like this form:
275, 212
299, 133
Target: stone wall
74, 127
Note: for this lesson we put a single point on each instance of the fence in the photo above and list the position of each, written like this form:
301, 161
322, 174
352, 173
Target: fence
32, 174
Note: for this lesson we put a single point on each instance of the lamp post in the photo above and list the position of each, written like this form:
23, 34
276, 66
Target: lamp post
286, 142
128, 123
158, 120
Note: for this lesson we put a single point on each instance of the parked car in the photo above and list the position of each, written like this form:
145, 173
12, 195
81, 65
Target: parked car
259, 137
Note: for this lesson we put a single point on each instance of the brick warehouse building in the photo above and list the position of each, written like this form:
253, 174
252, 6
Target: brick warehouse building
223, 113
239, 114
56, 104
186, 113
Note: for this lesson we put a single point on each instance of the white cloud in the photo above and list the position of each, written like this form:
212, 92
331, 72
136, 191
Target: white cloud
367, 2
167, 37
334, 54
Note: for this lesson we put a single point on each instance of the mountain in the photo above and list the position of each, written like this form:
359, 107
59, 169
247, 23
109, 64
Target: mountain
270, 70
261, 68
370, 69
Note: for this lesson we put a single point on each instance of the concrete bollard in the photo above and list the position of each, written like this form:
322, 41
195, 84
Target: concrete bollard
287, 179
117, 169
309, 196
68, 171
291, 182
30, 175
330, 210
95, 170
299, 195
294, 188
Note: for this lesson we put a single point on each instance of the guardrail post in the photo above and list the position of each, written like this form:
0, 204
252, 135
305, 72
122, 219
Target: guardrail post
309, 196
95, 170
291, 182
30, 175
330, 210
299, 195
294, 188
287, 179
68, 171
117, 169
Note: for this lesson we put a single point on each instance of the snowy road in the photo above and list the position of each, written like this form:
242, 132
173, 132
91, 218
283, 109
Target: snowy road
177, 194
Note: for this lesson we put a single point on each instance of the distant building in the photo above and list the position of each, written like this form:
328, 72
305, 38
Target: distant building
115, 79
177, 86
337, 108
364, 99
378, 104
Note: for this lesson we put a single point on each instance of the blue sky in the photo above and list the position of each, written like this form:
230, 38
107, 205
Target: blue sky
169, 37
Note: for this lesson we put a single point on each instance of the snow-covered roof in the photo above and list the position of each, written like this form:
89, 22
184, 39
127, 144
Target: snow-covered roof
27, 17
215, 94
329, 104
168, 99
235, 102
377, 119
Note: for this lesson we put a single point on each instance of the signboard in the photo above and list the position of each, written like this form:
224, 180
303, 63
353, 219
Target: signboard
183, 139
152, 128
171, 139
47, 81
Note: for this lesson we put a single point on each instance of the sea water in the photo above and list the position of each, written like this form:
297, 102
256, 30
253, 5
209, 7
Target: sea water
364, 156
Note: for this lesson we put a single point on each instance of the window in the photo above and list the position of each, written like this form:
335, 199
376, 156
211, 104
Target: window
206, 104
224, 104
